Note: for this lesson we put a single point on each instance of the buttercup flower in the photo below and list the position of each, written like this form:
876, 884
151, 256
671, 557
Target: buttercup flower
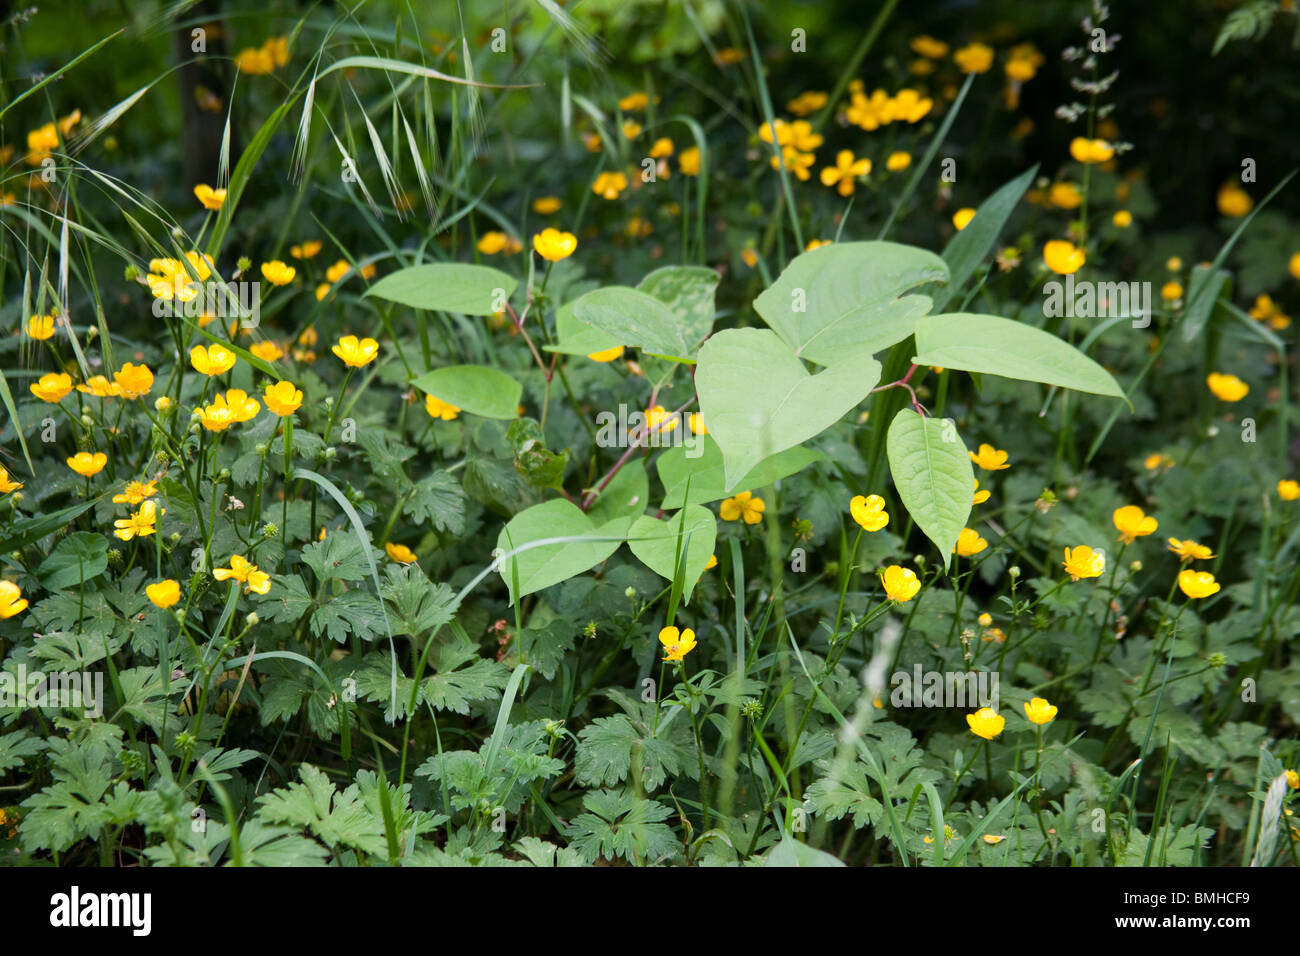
980, 496
1233, 201
634, 102
100, 387
277, 273
306, 250
898, 161
547, 205
962, 217
52, 387
1083, 562
697, 424
743, 506
439, 409
844, 174
1293, 780
142, 523
87, 464
660, 420
1288, 489
216, 359
244, 571
1063, 257
1122, 219
1197, 584
267, 351
974, 58
986, 723
400, 553
1227, 388
677, 643
12, 602
209, 197
901, 584
1133, 523
688, 161
496, 241
135, 493
40, 327
356, 352
1039, 711
607, 355
1065, 195
133, 381
163, 593
989, 458
1091, 150
282, 398
1171, 291
609, 185
554, 245
805, 104
1189, 550
969, 542
7, 484
869, 512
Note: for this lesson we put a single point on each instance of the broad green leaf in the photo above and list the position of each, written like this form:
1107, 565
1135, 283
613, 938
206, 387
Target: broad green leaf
969, 246
77, 558
997, 346
447, 287
758, 399
655, 542
790, 852
932, 472
688, 291
577, 337
476, 389
847, 296
637, 320
626, 496
704, 472
540, 567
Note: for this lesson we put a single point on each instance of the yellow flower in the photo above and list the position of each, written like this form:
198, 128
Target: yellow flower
817, 244
910, 106
962, 217
1133, 523
609, 185
1083, 562
974, 58
52, 387
546, 205
985, 619
1293, 780
845, 172
1063, 257
993, 839
1171, 291
135, 492
661, 421
400, 553
233, 405
439, 409
631, 130
607, 355
493, 242
677, 643
634, 102
980, 496
282, 398
1233, 201
869, 512
1227, 388
1288, 489
133, 381
969, 542
244, 571
267, 351
928, 46
898, 161
216, 359
356, 352
1293, 265
307, 250
163, 593
12, 601
697, 424
337, 271
554, 245
216, 418
1122, 219
743, 506
1064, 195
1189, 550
209, 197
40, 143
1091, 151
688, 161
254, 61
1197, 584
100, 387
1173, 263
40, 327
986, 723
1039, 711
141, 524
86, 464
7, 484
901, 584
989, 458
277, 273
805, 104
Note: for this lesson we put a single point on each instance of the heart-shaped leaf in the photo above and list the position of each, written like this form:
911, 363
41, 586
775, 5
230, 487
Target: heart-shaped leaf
847, 296
757, 398
635, 319
476, 389
932, 472
577, 337
688, 291
704, 472
447, 287
581, 546
686, 539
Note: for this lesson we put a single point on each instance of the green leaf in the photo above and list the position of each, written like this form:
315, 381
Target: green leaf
577, 337
626, 496
635, 319
76, 559
418, 606
29, 530
969, 246
688, 291
476, 389
656, 543
338, 558
543, 565
997, 346
932, 472
704, 472
620, 824
758, 399
846, 296
355, 612
606, 747
790, 852
540, 467
447, 287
